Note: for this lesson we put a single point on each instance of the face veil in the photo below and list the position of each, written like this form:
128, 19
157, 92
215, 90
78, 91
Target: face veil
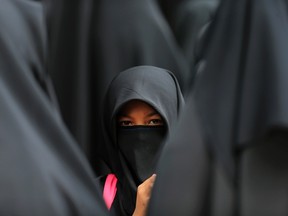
139, 147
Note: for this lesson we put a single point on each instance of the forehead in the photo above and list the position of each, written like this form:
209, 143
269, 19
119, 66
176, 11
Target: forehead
136, 106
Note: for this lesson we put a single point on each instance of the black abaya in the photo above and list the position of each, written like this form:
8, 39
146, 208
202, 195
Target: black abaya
241, 103
43, 171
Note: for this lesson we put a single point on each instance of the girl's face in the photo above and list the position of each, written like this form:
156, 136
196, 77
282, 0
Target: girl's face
137, 112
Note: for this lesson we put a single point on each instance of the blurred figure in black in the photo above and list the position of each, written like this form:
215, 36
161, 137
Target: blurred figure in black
228, 156
43, 171
69, 63
189, 20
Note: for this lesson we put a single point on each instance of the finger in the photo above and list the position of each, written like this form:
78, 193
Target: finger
152, 179
150, 183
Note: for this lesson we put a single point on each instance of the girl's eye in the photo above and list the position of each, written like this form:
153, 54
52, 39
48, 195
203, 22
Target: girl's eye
155, 122
125, 123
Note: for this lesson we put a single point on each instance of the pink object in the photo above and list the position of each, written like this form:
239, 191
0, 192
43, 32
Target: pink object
110, 190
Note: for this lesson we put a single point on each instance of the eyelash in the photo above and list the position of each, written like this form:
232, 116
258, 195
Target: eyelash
150, 122
125, 123
155, 122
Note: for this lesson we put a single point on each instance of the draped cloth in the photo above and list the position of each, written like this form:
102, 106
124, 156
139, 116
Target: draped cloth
43, 170
92, 41
240, 102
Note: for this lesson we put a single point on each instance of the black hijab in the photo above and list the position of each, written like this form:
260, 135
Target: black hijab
43, 171
158, 88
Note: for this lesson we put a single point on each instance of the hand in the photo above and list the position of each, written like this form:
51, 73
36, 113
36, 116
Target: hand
143, 196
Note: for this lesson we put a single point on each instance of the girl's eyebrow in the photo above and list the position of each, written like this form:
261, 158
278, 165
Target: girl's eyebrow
152, 114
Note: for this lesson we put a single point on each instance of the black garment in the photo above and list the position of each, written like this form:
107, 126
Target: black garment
127, 34
139, 147
93, 40
240, 97
169, 9
244, 75
69, 64
132, 33
43, 171
158, 88
190, 20
183, 169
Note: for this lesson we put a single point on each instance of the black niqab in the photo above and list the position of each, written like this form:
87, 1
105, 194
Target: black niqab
139, 147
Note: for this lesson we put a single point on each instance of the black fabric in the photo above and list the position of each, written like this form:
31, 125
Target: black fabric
183, 170
69, 64
158, 88
91, 42
188, 19
263, 175
191, 18
140, 146
189, 179
43, 171
240, 99
244, 77
135, 33
169, 8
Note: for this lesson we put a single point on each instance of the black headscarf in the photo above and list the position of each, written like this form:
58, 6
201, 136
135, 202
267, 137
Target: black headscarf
158, 88
43, 171
240, 97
